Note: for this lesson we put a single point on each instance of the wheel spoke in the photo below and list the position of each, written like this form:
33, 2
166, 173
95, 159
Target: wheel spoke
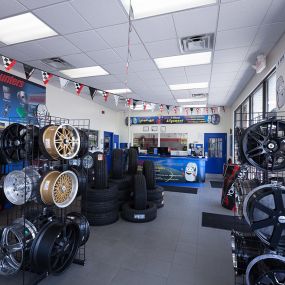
263, 208
256, 136
278, 199
276, 236
12, 248
262, 224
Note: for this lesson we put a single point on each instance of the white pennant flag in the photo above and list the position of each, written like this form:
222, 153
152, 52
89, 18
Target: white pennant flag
181, 110
152, 106
63, 82
116, 97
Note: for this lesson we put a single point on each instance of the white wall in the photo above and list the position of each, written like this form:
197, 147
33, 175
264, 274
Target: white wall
66, 104
195, 131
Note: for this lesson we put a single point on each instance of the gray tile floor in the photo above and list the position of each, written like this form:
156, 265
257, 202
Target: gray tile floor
172, 250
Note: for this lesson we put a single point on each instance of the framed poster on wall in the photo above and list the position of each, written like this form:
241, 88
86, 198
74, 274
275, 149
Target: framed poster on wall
154, 128
145, 129
163, 129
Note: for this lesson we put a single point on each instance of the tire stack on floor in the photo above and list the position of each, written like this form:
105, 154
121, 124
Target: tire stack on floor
155, 193
139, 210
100, 205
120, 178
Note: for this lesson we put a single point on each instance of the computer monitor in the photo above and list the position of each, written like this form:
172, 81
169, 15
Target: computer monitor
163, 151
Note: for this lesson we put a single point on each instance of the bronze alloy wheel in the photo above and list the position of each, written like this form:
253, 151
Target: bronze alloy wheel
61, 141
47, 186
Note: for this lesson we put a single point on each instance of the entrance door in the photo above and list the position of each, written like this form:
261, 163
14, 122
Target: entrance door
216, 147
108, 148
116, 141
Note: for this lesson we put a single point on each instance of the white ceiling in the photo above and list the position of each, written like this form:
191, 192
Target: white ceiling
96, 33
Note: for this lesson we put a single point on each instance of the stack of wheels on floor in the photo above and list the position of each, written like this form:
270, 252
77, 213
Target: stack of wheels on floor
139, 210
119, 178
100, 205
155, 193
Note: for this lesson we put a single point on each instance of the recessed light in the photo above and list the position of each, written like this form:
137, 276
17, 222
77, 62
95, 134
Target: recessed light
187, 86
119, 91
197, 58
194, 106
191, 100
23, 28
143, 9
84, 72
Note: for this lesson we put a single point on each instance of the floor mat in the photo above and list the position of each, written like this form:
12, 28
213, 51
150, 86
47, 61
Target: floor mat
187, 190
217, 184
224, 222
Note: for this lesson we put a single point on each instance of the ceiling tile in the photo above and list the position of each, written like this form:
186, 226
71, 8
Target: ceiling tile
131, 77
198, 69
155, 28
230, 55
79, 60
199, 78
186, 21
104, 56
11, 7
156, 83
181, 94
138, 52
176, 80
33, 4
38, 64
235, 38
276, 12
142, 65
169, 73
228, 76
117, 36
226, 67
220, 84
87, 41
101, 13
58, 46
72, 22
255, 50
269, 33
242, 13
163, 48
106, 79
149, 74
116, 68
13, 52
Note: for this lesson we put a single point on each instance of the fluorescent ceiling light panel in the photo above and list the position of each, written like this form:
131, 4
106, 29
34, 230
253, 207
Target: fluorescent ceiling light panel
84, 72
191, 100
188, 86
23, 28
147, 8
197, 58
119, 91
194, 106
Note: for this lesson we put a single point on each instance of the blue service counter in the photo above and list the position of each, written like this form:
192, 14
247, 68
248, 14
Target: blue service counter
174, 169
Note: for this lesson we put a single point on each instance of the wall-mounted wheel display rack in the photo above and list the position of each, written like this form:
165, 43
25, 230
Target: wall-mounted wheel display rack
259, 254
43, 182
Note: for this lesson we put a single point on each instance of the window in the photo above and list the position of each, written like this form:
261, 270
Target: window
245, 114
257, 104
215, 147
271, 93
238, 117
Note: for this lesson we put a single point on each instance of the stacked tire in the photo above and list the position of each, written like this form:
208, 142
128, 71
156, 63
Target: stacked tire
139, 210
100, 205
119, 178
155, 193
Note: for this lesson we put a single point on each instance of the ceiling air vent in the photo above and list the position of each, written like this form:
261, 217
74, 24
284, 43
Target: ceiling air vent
196, 43
57, 63
199, 95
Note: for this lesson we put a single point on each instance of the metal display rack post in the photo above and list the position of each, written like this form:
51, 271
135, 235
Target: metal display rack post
28, 173
259, 149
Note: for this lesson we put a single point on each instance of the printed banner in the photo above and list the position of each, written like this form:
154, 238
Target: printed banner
19, 97
156, 120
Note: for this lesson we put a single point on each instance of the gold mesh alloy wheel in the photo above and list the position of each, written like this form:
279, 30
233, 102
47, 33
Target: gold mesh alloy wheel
47, 186
65, 189
61, 141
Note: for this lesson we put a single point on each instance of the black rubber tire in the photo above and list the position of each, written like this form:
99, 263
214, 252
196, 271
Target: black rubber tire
102, 219
149, 173
117, 164
84, 143
124, 195
139, 216
159, 203
82, 178
101, 195
100, 207
101, 171
133, 161
123, 183
140, 192
155, 194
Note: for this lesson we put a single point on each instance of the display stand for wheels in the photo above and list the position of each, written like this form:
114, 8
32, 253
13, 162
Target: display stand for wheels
43, 230
258, 255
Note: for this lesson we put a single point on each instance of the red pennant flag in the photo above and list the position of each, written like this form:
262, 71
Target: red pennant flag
46, 77
105, 95
197, 110
175, 109
129, 102
161, 108
144, 106
187, 111
207, 110
8, 62
78, 87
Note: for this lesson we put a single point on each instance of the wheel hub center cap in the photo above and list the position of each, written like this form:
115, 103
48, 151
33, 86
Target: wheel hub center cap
281, 219
63, 189
271, 145
17, 143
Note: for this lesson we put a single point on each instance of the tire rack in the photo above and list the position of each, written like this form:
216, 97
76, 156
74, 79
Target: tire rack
241, 122
7, 216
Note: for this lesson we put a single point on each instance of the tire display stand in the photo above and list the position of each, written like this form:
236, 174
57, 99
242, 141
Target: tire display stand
259, 255
39, 215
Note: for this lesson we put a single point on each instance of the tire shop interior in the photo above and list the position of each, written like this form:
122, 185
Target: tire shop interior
142, 142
